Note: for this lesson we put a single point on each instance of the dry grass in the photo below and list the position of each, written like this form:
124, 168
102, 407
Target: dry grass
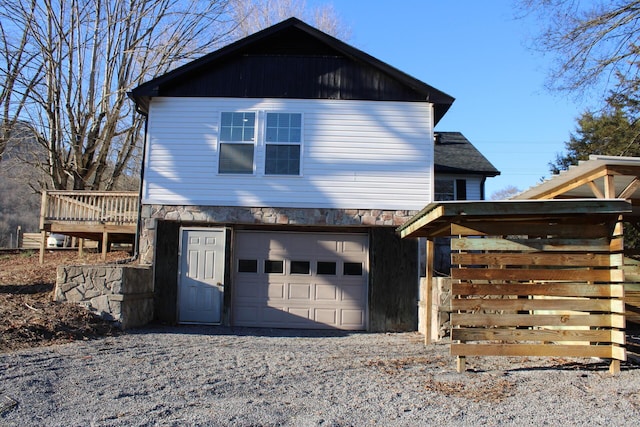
29, 316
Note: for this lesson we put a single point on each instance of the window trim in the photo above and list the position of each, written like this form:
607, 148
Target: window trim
253, 142
299, 144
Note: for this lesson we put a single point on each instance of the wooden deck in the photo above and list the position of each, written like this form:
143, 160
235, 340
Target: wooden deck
104, 216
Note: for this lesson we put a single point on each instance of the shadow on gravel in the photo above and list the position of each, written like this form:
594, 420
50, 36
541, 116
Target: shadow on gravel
595, 366
241, 331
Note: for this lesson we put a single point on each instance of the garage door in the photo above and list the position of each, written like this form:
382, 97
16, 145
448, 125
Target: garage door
300, 280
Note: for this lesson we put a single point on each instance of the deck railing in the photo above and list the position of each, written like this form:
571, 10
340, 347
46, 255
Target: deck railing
103, 207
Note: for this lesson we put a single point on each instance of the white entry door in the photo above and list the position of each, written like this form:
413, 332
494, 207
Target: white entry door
201, 281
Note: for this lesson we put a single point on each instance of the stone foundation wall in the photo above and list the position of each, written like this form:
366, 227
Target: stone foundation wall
120, 293
241, 215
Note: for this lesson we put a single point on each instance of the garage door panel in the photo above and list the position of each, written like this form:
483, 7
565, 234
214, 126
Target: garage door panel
300, 280
276, 291
326, 315
353, 247
352, 317
326, 293
300, 291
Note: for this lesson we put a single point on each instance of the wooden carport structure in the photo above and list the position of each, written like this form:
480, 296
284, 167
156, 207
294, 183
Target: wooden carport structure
531, 278
603, 177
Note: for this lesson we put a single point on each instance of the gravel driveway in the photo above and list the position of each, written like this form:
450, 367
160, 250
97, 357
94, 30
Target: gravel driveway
218, 376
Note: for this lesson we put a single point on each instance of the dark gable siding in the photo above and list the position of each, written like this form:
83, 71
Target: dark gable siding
290, 64
304, 77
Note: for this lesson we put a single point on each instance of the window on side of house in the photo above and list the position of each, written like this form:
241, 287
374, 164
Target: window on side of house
450, 189
237, 142
283, 140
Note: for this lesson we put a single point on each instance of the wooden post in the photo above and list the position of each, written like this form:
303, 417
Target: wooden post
105, 243
461, 362
427, 295
614, 367
43, 236
609, 187
43, 243
80, 247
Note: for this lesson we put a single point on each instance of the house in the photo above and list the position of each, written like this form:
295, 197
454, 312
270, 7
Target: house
276, 171
460, 169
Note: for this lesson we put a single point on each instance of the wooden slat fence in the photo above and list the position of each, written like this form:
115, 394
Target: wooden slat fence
537, 289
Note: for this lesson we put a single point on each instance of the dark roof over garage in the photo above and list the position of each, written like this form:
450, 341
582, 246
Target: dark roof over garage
291, 60
453, 153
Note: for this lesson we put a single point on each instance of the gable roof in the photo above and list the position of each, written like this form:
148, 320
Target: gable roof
453, 153
597, 177
291, 60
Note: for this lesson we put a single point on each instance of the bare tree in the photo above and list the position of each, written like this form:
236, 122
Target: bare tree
594, 43
505, 193
18, 74
79, 60
68, 65
255, 15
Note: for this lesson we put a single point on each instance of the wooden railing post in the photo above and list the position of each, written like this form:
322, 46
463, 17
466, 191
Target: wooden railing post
43, 237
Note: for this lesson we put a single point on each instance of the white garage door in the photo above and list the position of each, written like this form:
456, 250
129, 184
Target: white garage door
300, 280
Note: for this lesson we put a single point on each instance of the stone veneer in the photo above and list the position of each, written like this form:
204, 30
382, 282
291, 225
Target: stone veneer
120, 293
266, 216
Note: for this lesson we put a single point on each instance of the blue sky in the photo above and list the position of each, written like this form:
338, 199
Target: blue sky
474, 51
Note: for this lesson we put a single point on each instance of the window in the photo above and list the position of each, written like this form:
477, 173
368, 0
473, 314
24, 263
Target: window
326, 268
237, 136
352, 269
300, 267
273, 267
450, 189
248, 266
283, 136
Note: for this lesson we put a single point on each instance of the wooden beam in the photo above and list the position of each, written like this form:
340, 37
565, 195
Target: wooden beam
573, 184
532, 228
437, 212
595, 190
609, 187
539, 245
629, 189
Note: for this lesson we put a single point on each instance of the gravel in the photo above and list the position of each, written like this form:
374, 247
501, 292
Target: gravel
194, 375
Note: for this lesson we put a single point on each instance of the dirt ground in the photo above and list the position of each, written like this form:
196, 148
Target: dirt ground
28, 315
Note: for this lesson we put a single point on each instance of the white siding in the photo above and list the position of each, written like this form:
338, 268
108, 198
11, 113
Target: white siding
355, 154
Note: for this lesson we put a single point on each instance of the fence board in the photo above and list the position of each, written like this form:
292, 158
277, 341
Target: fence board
549, 289
493, 320
533, 245
567, 274
476, 304
551, 350
548, 335
539, 259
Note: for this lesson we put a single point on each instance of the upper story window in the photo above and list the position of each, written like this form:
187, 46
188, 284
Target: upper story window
283, 137
237, 137
450, 189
